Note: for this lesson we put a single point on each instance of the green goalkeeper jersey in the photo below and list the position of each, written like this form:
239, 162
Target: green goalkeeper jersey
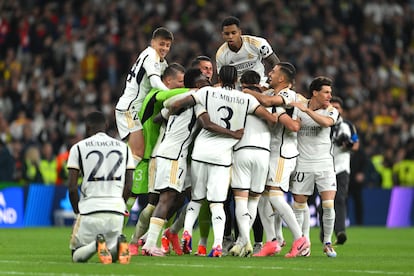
151, 106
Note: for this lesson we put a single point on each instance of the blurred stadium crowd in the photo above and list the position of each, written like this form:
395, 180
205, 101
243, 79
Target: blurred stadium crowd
61, 59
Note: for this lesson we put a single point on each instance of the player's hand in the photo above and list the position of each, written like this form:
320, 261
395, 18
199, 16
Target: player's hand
238, 134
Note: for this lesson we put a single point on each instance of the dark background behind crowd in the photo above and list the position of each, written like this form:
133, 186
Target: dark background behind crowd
61, 59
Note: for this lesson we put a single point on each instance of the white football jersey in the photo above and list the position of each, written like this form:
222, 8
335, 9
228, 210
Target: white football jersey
256, 134
102, 161
228, 108
137, 83
249, 57
284, 141
314, 142
179, 132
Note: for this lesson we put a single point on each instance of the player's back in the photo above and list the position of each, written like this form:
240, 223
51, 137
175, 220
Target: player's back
103, 161
256, 134
227, 108
179, 132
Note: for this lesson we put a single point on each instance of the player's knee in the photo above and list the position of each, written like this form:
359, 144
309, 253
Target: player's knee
299, 205
328, 204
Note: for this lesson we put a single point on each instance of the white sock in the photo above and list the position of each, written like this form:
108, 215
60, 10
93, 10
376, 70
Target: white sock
328, 219
252, 207
306, 222
218, 220
301, 211
154, 230
243, 218
143, 222
279, 228
193, 209
84, 253
279, 204
266, 216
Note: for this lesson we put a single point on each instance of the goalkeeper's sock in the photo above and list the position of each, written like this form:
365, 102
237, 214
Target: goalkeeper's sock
143, 222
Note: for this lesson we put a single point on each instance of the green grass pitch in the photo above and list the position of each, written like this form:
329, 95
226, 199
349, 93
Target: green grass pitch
368, 251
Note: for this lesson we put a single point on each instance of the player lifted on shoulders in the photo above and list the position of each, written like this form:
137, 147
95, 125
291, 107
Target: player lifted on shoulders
245, 52
144, 75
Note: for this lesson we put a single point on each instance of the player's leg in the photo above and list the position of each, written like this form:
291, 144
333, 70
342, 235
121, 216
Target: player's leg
257, 233
217, 188
341, 206
327, 193
243, 219
166, 201
204, 223
279, 204
228, 238
279, 229
266, 215
144, 217
82, 250
130, 130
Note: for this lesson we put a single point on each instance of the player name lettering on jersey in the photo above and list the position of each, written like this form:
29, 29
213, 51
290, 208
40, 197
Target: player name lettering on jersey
102, 143
244, 66
227, 98
310, 130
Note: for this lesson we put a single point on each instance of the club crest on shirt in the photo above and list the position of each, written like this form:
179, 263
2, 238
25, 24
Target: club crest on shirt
157, 66
264, 50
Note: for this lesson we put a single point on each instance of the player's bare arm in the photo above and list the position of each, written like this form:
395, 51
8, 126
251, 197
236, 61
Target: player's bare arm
179, 106
265, 100
210, 126
270, 62
73, 189
263, 113
323, 121
129, 175
288, 122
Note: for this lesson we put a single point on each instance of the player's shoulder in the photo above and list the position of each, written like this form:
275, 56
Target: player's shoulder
300, 98
332, 109
253, 40
151, 55
221, 50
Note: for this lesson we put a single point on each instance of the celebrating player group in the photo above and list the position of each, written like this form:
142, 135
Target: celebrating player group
199, 147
